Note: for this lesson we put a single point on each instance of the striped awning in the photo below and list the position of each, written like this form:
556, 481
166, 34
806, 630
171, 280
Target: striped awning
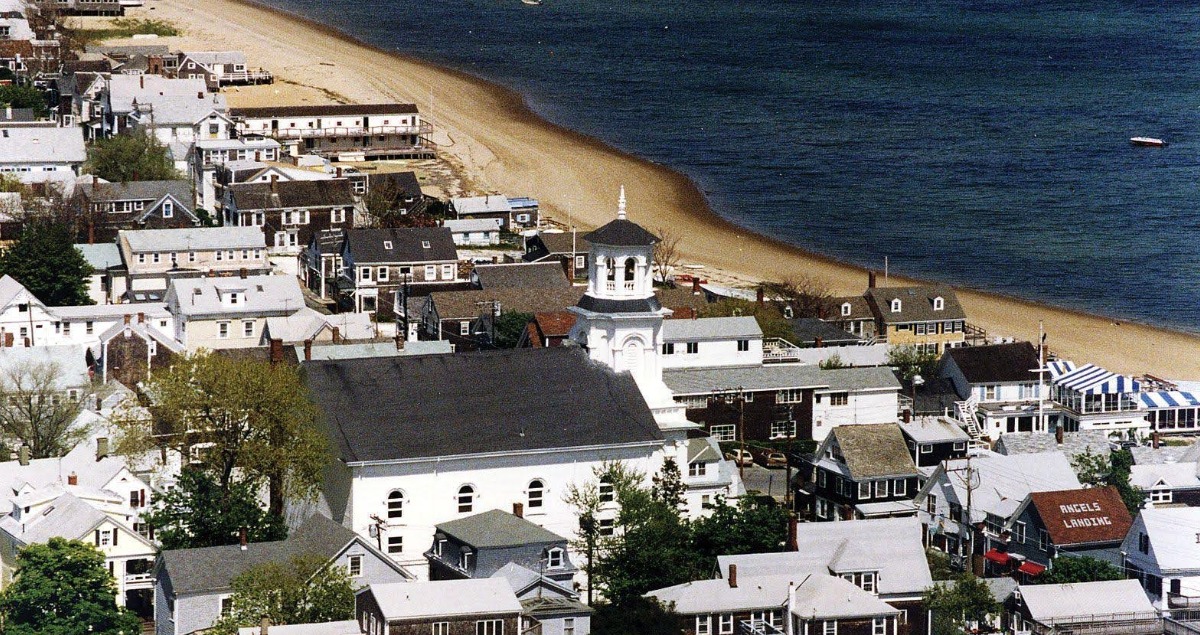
1093, 380
1169, 399
1058, 369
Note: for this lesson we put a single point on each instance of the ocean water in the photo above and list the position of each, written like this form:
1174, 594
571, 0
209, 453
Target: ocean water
979, 143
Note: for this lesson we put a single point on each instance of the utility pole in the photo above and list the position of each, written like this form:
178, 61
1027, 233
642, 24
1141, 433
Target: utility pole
970, 485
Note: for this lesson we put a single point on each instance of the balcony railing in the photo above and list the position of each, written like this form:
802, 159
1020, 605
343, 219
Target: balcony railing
755, 627
345, 131
776, 349
139, 578
259, 76
1147, 623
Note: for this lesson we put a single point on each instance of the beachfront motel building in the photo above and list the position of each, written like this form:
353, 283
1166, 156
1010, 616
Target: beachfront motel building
405, 465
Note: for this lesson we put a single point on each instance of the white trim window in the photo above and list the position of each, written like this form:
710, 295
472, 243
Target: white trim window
900, 487
896, 305
440, 628
489, 627
881, 488
864, 490
696, 470
555, 558
879, 624
168, 209
223, 330
703, 625
783, 429
382, 274
1161, 495
354, 565
395, 504
725, 624
535, 495
430, 273
465, 499
395, 544
448, 272
724, 432
829, 627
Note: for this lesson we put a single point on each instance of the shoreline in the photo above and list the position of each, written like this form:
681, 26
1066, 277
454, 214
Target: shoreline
500, 144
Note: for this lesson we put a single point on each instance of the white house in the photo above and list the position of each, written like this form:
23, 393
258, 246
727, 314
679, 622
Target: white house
712, 342
361, 131
475, 232
1162, 552
35, 154
1093, 398
218, 313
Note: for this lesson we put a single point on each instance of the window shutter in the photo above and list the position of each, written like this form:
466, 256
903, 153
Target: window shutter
115, 533
97, 537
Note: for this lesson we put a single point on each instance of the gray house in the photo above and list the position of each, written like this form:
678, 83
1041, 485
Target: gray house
480, 545
192, 586
534, 561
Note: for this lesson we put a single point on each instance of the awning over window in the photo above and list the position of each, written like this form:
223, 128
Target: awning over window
999, 557
1032, 568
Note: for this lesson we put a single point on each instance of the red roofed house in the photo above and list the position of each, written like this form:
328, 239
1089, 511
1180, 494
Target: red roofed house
1067, 523
547, 329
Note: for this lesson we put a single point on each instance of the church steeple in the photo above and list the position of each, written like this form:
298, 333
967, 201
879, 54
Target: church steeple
621, 205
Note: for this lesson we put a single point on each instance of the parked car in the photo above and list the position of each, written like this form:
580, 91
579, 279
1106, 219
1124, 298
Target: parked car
775, 459
740, 457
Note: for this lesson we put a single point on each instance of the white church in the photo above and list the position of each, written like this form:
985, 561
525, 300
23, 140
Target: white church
423, 440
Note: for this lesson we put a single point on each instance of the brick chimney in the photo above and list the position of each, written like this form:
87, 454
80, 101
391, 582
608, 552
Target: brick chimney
337, 335
519, 510
907, 415
339, 172
1154, 439
308, 350
128, 318
141, 317
72, 479
276, 351
733, 576
760, 296
243, 540
274, 182
792, 541
243, 273
818, 342
200, 94
870, 279
695, 286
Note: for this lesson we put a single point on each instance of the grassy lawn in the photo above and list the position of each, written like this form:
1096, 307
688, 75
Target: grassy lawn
122, 28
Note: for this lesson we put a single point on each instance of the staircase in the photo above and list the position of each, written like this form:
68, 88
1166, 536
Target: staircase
965, 411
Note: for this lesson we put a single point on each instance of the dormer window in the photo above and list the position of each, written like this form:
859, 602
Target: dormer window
846, 309
424, 244
554, 558
387, 244
168, 209
896, 305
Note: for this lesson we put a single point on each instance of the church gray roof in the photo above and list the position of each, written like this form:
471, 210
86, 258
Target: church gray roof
403, 408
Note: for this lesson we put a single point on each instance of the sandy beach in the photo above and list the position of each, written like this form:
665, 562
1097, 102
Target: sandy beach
498, 145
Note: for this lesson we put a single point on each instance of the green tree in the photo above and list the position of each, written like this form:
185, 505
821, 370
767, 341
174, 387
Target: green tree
509, 327
254, 419
63, 587
648, 548
131, 156
667, 486
832, 362
34, 412
306, 590
1099, 470
957, 604
24, 97
770, 319
912, 362
1070, 570
45, 260
754, 525
638, 616
227, 512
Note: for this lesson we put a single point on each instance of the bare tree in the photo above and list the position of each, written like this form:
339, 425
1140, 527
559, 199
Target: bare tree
37, 411
808, 297
666, 253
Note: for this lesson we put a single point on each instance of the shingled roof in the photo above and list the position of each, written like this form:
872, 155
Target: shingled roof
496, 528
389, 409
996, 363
212, 569
1083, 516
916, 304
873, 450
292, 194
622, 233
401, 244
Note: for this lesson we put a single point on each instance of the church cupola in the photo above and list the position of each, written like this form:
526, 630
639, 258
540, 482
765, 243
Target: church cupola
621, 278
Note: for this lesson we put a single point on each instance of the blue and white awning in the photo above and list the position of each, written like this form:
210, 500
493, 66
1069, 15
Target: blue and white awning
1093, 380
1058, 369
1169, 399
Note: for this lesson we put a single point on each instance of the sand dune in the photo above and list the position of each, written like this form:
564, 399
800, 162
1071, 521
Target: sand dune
501, 146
